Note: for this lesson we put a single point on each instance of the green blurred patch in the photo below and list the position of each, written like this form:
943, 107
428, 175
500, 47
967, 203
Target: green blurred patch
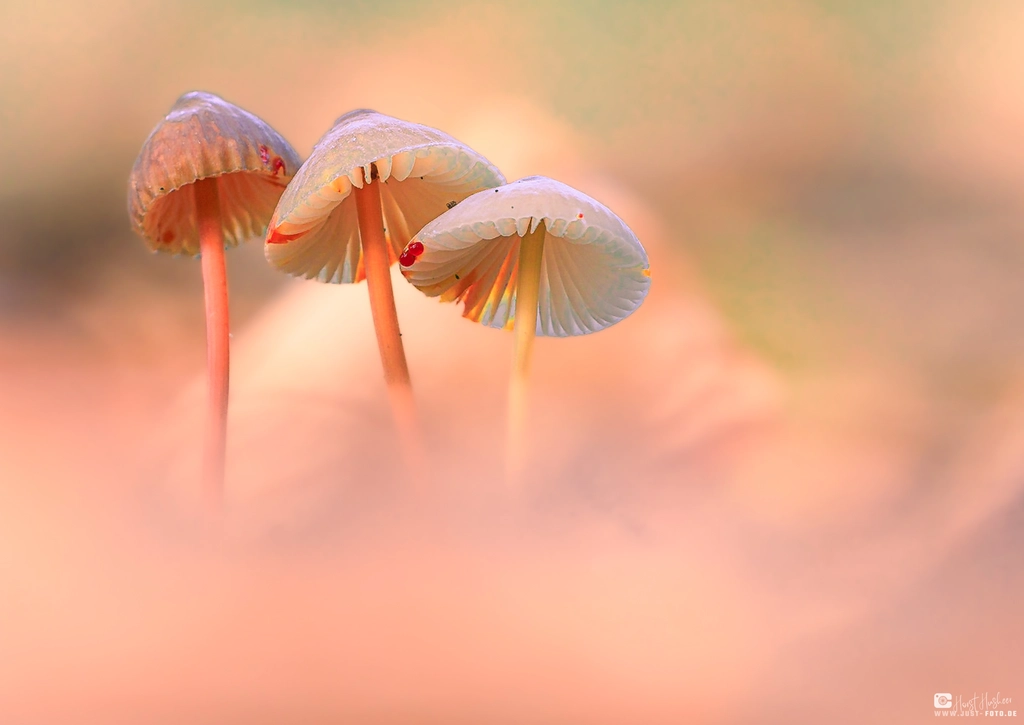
775, 293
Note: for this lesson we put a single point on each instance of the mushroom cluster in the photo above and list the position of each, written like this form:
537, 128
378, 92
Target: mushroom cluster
535, 256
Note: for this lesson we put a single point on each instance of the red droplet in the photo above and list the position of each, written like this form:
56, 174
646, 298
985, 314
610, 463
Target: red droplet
580, 215
410, 253
278, 164
275, 237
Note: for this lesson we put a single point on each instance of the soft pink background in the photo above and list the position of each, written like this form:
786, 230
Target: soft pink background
788, 489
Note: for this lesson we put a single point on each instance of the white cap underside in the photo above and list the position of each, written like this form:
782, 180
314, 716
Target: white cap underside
416, 186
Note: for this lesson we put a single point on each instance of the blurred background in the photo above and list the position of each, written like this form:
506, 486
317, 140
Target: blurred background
790, 488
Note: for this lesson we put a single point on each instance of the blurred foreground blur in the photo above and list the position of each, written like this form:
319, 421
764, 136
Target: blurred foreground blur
788, 489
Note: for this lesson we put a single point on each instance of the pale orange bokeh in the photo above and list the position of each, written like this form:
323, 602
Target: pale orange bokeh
787, 489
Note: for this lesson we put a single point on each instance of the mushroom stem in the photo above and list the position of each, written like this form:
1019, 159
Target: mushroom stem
377, 265
531, 253
215, 292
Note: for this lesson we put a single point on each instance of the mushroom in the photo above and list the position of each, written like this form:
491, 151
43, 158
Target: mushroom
208, 177
535, 255
370, 183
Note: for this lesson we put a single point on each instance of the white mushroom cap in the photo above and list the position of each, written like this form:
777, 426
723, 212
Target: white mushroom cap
205, 137
594, 272
314, 232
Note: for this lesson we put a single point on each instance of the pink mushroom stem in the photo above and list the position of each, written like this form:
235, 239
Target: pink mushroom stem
215, 292
377, 266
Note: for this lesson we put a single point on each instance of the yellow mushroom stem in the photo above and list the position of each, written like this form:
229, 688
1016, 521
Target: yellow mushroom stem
531, 252
215, 292
377, 266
